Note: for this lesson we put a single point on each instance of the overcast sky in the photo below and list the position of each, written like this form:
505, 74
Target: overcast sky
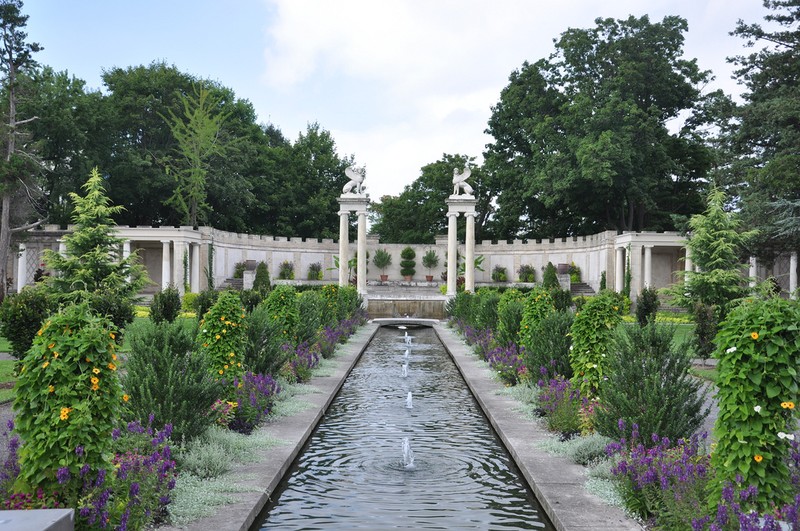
397, 83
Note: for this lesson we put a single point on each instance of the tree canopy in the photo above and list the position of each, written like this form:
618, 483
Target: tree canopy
581, 139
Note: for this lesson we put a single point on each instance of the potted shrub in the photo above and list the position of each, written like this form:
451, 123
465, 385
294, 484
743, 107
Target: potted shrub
286, 270
382, 260
499, 274
527, 273
315, 271
430, 260
407, 263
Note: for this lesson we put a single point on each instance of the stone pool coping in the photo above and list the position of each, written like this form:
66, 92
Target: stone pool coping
557, 482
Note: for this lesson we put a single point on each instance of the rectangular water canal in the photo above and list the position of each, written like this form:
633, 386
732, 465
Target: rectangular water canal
355, 472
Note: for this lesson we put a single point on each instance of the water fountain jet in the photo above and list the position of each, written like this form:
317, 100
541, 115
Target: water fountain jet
408, 454
408, 401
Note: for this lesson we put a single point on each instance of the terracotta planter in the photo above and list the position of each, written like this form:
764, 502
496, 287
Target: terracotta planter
407, 278
384, 278
429, 278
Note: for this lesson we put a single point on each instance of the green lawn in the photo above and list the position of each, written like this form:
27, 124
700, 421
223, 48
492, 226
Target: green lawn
6, 375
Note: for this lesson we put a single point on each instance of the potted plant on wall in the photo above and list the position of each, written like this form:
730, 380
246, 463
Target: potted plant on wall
430, 260
407, 263
382, 260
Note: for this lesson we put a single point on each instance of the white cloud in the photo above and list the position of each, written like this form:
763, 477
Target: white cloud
425, 74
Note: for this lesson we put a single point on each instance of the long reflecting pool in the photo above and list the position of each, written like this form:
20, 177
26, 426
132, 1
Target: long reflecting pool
353, 473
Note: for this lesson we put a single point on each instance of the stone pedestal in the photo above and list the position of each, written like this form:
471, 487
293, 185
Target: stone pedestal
353, 203
460, 204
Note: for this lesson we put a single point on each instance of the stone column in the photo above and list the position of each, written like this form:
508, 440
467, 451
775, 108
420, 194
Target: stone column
344, 244
636, 271
753, 272
194, 267
177, 266
62, 247
648, 266
165, 264
687, 265
793, 275
361, 251
469, 255
126, 252
452, 253
619, 270
22, 267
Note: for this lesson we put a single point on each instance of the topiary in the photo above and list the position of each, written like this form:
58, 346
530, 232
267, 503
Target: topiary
162, 353
68, 397
758, 348
166, 305
407, 262
283, 309
550, 277
221, 337
21, 316
647, 305
592, 338
261, 281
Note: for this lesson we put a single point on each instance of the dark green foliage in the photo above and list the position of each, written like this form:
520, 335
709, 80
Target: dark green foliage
549, 347
408, 262
382, 259
238, 269
649, 385
602, 281
113, 305
204, 301
562, 299
509, 316
264, 339
166, 378
499, 274
526, 273
286, 270
647, 305
250, 299
349, 302
310, 305
459, 307
550, 277
166, 305
705, 329
261, 282
579, 302
485, 309
21, 316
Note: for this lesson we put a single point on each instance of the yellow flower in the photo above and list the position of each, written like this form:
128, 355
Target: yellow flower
112, 336
112, 366
55, 354
96, 370
95, 387
39, 332
758, 458
231, 355
205, 344
224, 331
65, 412
225, 367
217, 336
222, 318
787, 405
754, 335
50, 389
239, 364
114, 357
125, 398
45, 364
221, 371
94, 380
51, 345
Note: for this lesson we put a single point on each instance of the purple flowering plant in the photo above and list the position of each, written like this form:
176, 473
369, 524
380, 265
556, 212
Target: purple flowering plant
255, 395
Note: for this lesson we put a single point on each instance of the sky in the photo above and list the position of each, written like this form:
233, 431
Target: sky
396, 83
